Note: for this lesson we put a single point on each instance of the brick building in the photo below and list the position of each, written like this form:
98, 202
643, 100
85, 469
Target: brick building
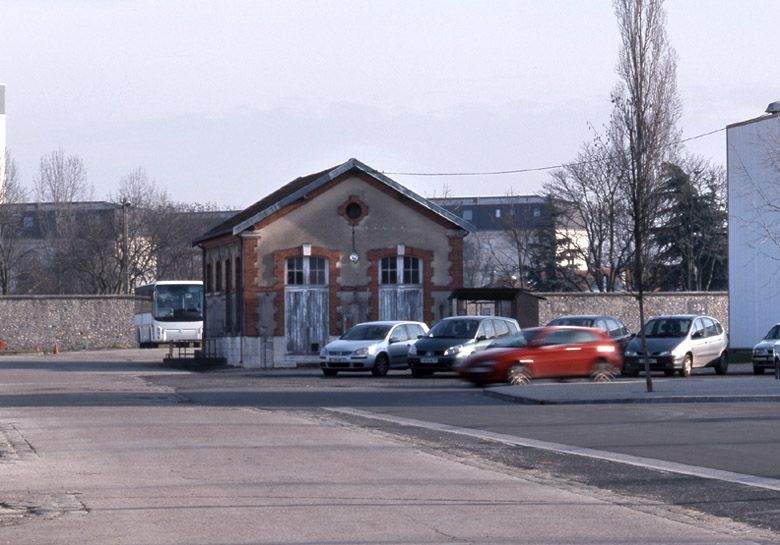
321, 253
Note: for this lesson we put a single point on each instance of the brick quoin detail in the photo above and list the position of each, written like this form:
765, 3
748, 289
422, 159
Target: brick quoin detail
280, 258
375, 257
248, 264
456, 261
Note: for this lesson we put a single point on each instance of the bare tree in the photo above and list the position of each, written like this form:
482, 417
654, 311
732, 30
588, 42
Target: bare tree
62, 179
643, 130
595, 205
160, 231
13, 255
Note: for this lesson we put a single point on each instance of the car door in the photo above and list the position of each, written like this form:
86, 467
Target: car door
554, 355
698, 340
485, 335
398, 345
711, 337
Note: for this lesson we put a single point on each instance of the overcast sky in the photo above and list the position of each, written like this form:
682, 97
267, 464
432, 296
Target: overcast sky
224, 101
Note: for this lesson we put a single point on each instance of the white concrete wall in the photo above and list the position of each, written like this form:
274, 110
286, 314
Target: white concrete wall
259, 353
754, 258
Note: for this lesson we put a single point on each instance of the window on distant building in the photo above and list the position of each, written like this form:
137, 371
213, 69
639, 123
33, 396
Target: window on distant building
468, 214
498, 212
537, 212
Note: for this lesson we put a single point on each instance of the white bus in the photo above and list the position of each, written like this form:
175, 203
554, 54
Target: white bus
169, 312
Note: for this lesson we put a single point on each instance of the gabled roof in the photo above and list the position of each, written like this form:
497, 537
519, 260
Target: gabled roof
300, 187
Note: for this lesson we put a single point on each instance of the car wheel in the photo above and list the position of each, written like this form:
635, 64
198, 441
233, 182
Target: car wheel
330, 372
602, 372
381, 366
518, 374
418, 373
687, 366
723, 364
758, 370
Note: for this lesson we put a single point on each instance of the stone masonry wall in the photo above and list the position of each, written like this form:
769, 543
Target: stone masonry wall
626, 308
80, 322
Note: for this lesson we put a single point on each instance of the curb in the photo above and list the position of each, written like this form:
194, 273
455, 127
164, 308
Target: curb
626, 400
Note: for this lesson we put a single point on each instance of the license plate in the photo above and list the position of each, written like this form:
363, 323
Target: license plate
339, 360
648, 360
429, 360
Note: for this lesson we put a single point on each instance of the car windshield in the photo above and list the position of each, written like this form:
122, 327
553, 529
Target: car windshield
774, 334
573, 320
515, 341
455, 329
367, 332
667, 327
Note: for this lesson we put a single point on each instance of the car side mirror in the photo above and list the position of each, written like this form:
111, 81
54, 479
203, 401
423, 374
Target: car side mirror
394, 340
482, 338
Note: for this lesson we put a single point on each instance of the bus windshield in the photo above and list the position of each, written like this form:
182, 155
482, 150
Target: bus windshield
182, 303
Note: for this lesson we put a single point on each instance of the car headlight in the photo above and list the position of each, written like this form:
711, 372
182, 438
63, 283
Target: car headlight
459, 351
453, 350
323, 353
631, 353
412, 350
361, 352
665, 353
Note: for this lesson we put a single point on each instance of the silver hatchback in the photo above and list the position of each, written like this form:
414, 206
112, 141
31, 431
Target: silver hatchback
371, 346
764, 352
681, 343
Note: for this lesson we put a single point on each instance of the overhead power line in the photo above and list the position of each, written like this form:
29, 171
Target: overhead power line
531, 169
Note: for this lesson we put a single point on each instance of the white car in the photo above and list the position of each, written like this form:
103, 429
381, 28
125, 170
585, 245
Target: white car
680, 342
764, 351
371, 346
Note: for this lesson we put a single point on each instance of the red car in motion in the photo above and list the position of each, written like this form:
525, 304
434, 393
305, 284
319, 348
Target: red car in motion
545, 352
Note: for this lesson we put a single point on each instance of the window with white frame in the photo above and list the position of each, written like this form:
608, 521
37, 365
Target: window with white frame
407, 265
306, 271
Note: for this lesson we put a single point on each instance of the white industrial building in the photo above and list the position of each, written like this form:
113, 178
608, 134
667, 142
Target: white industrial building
2, 139
753, 162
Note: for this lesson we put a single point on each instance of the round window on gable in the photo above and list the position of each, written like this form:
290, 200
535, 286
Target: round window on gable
354, 210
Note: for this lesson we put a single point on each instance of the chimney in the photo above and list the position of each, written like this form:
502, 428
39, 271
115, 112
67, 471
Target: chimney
773, 108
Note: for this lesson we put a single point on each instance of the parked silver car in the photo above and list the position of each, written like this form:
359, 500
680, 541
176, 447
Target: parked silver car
679, 343
764, 351
371, 346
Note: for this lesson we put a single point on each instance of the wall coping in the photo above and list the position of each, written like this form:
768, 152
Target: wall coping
628, 293
66, 297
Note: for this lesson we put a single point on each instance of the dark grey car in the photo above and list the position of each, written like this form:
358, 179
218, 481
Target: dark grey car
451, 340
616, 329
681, 343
